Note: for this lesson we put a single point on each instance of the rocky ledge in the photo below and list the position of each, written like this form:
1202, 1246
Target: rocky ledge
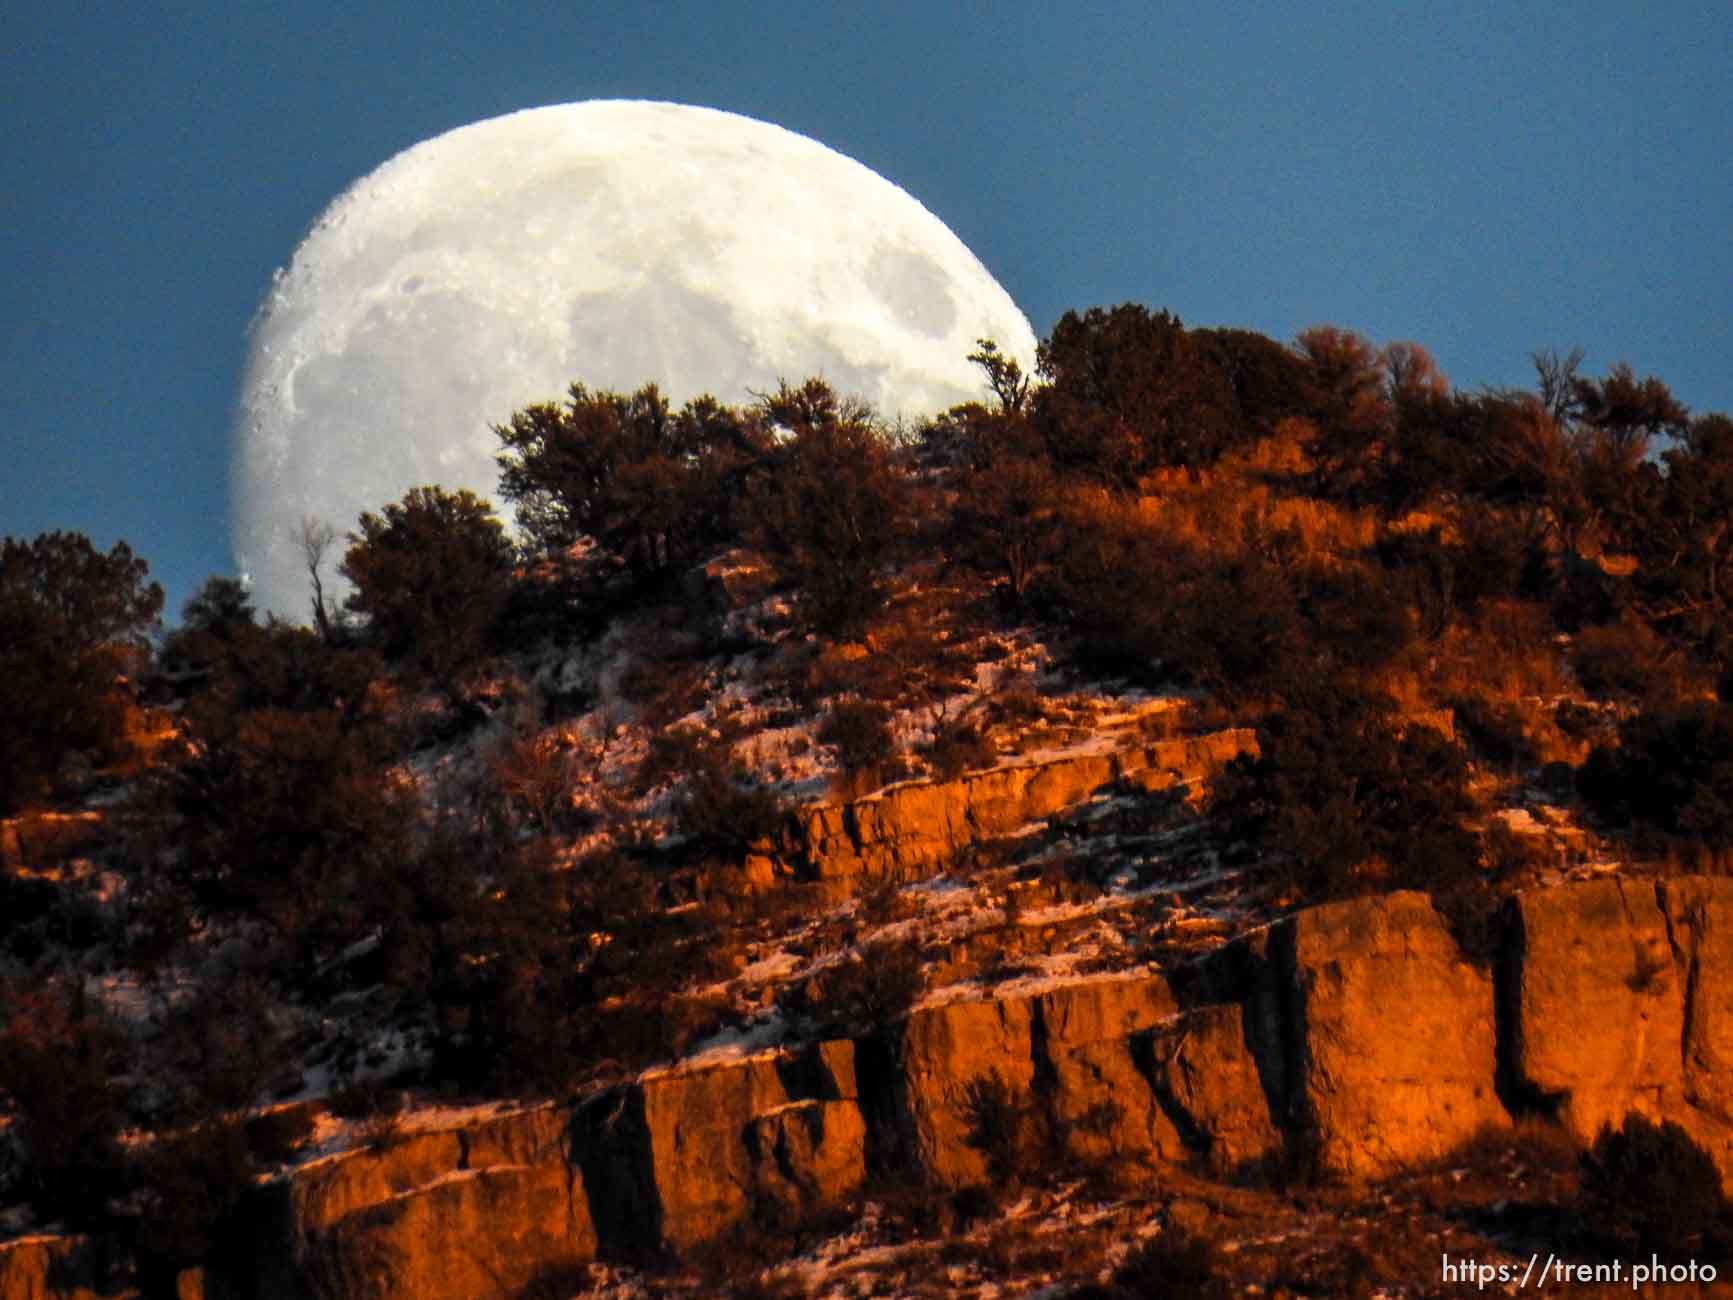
1353, 1038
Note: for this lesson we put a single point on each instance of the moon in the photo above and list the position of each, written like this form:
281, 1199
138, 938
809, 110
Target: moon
614, 243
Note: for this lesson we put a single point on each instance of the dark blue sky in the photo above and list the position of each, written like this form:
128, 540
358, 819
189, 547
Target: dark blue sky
1485, 179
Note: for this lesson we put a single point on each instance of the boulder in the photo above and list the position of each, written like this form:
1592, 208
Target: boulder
1392, 1035
1599, 1003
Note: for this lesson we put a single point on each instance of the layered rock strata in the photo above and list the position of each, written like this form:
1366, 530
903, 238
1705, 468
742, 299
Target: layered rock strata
909, 830
1352, 1037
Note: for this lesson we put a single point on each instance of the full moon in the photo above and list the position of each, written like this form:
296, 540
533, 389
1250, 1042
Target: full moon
612, 243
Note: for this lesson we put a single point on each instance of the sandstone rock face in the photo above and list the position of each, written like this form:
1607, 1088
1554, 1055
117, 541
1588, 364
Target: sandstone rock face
1353, 1031
1209, 1073
1061, 1062
1101, 1102
1623, 1003
909, 829
1600, 1006
474, 1232
949, 1054
690, 1154
1394, 1034
805, 1157
700, 1159
480, 1209
325, 1192
1699, 913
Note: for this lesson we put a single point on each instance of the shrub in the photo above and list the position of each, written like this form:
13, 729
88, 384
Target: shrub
497, 939
212, 620
854, 997
1625, 659
1007, 1132
1502, 556
73, 623
1647, 1187
225, 1041
1423, 570
830, 511
959, 747
1228, 617
365, 1101
274, 1136
725, 813
431, 572
293, 819
860, 733
1672, 771
1354, 797
1499, 729
1173, 1263
1008, 520
1129, 391
653, 487
27, 904
534, 771
279, 666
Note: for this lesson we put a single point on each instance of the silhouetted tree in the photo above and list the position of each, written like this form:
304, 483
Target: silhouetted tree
73, 624
650, 485
1426, 451
1684, 539
431, 573
314, 539
213, 621
1350, 406
220, 605
1270, 382
1004, 376
1410, 374
1129, 391
1628, 409
1435, 451
1556, 381
831, 508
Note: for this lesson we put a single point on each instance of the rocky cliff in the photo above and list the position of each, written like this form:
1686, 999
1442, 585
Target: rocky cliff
1352, 1037
908, 830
